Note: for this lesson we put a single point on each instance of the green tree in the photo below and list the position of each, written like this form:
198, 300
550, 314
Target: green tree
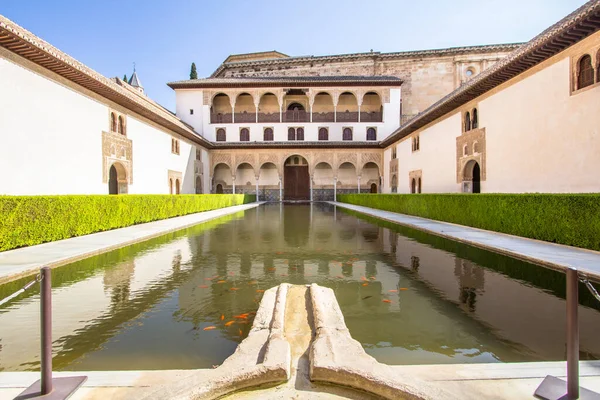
125, 77
193, 73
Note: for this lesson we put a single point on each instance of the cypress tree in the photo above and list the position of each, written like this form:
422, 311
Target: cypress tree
193, 73
125, 77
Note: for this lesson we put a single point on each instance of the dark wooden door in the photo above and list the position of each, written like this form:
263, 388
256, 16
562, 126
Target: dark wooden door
296, 184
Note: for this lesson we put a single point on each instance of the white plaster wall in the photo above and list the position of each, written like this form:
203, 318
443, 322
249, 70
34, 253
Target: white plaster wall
191, 99
50, 136
387, 157
436, 158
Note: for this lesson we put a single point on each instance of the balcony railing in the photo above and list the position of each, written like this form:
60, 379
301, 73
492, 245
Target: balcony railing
347, 116
244, 117
323, 117
269, 117
218, 118
296, 116
369, 116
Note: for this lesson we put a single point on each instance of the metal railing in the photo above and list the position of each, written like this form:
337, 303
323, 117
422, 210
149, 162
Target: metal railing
46, 387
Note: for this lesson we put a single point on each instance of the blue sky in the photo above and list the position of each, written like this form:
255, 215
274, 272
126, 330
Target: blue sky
164, 37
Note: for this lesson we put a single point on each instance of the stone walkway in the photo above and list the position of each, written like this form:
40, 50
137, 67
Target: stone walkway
18, 263
551, 255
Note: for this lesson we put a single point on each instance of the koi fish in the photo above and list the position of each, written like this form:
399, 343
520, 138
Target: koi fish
259, 290
242, 322
228, 323
240, 316
386, 301
234, 289
221, 281
252, 282
202, 286
363, 278
365, 284
210, 328
222, 317
372, 277
393, 291
271, 269
240, 332
403, 288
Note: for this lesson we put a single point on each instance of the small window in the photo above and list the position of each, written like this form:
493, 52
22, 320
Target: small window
323, 134
469, 73
475, 148
174, 146
191, 111
268, 135
394, 153
467, 121
465, 150
121, 125
170, 186
113, 122
291, 134
300, 134
347, 134
413, 185
586, 72
198, 154
371, 134
244, 135
419, 185
475, 119
221, 135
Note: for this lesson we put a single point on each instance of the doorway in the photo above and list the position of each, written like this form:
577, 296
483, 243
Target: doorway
296, 180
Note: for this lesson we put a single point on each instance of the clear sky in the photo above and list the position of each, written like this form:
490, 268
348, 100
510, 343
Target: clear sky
164, 37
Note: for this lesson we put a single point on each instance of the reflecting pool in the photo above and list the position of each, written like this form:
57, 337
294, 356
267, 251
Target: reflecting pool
186, 299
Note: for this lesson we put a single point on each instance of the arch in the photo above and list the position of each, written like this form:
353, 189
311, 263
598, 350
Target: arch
244, 135
222, 174
475, 119
220, 109
268, 175
198, 185
219, 189
585, 75
323, 133
472, 173
299, 133
371, 164
347, 108
467, 121
295, 107
373, 188
121, 125
371, 109
394, 184
113, 122
371, 133
117, 179
295, 104
465, 150
268, 108
419, 185
347, 175
244, 108
244, 174
413, 185
322, 108
475, 147
177, 187
170, 185
268, 135
221, 135
296, 180
347, 133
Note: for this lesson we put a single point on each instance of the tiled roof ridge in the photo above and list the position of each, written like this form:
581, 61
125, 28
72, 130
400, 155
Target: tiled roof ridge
454, 100
398, 54
288, 79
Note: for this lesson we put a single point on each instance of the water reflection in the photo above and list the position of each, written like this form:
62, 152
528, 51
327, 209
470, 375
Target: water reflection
406, 296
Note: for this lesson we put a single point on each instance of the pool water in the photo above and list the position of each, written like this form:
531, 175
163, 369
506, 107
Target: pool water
186, 299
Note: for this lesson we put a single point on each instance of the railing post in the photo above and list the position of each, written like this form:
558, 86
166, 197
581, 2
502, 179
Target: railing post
46, 324
572, 334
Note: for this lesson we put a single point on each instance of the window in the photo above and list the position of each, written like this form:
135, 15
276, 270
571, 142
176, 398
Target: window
244, 135
416, 145
475, 148
268, 135
170, 186
347, 134
174, 146
467, 121
121, 125
475, 119
113, 122
371, 134
198, 154
191, 111
465, 150
419, 185
221, 135
585, 77
394, 153
323, 134
291, 134
300, 134
295, 133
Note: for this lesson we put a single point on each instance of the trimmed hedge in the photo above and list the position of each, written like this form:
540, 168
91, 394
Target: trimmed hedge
30, 220
570, 219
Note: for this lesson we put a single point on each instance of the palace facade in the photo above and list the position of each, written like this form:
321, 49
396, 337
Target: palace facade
497, 118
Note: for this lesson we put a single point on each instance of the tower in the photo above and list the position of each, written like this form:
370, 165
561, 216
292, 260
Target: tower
135, 81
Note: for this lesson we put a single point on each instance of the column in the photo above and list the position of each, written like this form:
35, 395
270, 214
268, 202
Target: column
358, 178
311, 107
256, 115
233, 113
280, 192
335, 188
359, 113
257, 188
335, 113
280, 114
210, 184
311, 186
233, 180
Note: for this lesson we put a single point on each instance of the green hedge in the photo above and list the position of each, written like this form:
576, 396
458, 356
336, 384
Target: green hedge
571, 219
30, 220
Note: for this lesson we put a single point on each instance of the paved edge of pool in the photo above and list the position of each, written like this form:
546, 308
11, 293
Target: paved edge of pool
25, 261
551, 255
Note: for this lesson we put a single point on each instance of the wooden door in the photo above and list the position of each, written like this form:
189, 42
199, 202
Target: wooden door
296, 184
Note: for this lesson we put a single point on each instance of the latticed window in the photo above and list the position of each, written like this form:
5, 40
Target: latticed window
291, 134
121, 125
221, 135
475, 120
268, 134
347, 134
300, 134
113, 122
586, 72
467, 121
323, 134
244, 135
371, 134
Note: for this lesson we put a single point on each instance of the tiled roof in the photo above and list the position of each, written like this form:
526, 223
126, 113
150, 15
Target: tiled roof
288, 80
293, 144
573, 28
135, 81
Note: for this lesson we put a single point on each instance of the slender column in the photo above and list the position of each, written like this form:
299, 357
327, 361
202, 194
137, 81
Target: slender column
256, 115
281, 114
311, 112
311, 189
257, 188
358, 184
335, 188
335, 113
233, 180
233, 114
280, 191
359, 113
572, 334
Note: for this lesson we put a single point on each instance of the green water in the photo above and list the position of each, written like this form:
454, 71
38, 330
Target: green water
408, 297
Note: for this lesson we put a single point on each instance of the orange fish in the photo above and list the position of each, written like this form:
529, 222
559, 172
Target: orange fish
221, 281
242, 322
234, 288
393, 291
252, 282
372, 277
202, 286
259, 290
386, 301
240, 316
222, 317
271, 269
210, 328
363, 278
365, 284
229, 323
240, 332
403, 288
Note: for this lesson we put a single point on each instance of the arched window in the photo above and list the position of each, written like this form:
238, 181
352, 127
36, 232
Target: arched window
474, 121
475, 147
371, 134
121, 125
465, 150
170, 186
113, 122
323, 134
177, 188
221, 135
300, 134
467, 121
268, 134
244, 135
586, 72
291, 134
419, 185
347, 134
413, 185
